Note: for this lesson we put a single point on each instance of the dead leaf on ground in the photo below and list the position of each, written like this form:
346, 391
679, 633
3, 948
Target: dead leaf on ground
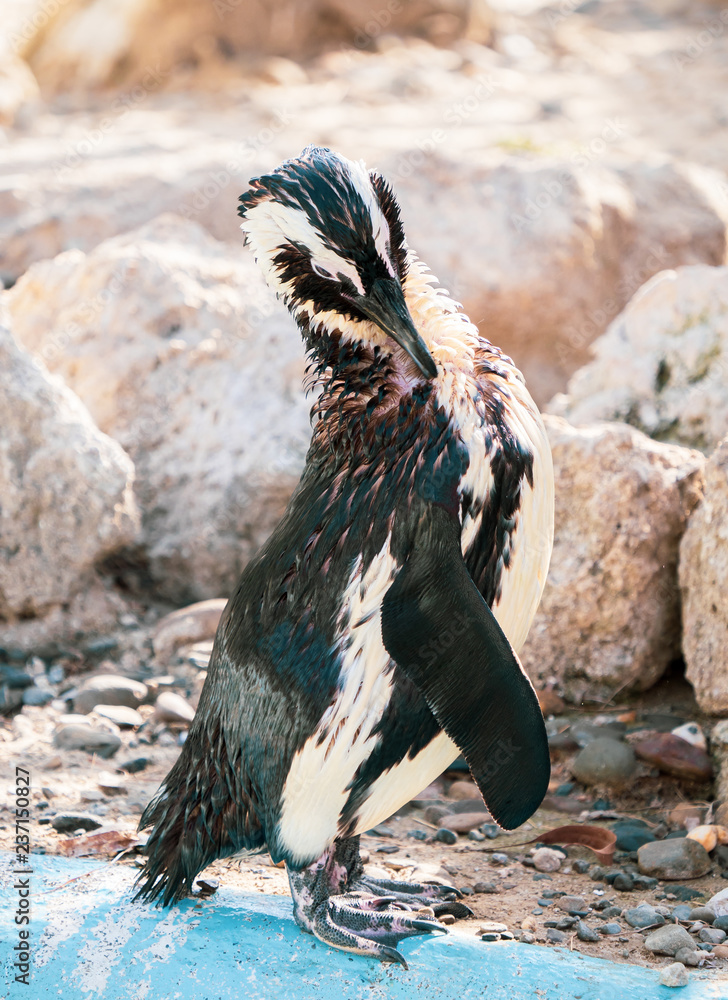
106, 844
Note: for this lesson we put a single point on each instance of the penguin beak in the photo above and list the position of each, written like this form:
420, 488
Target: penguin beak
385, 306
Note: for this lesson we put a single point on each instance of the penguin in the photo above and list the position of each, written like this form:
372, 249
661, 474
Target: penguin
374, 637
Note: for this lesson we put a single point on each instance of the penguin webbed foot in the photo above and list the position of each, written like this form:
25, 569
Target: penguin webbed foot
342, 907
371, 926
436, 896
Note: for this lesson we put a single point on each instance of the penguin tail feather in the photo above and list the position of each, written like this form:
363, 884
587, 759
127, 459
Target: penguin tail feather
201, 812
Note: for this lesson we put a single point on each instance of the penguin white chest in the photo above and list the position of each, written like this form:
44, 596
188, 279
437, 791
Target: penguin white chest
318, 782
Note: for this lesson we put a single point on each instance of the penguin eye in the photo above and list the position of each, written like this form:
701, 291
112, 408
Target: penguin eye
322, 272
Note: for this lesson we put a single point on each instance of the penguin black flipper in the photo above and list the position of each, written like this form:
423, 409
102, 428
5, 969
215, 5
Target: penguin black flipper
440, 631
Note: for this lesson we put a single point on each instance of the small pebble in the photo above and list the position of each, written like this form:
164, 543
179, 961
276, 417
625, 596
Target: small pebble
492, 927
604, 761
643, 915
632, 834
172, 707
136, 765
545, 902
688, 956
586, 933
623, 883
83, 737
526, 937
206, 886
674, 975
434, 813
122, 715
490, 830
721, 951
682, 912
381, 831
70, 822
464, 822
712, 935
581, 867
545, 859
446, 836
109, 689
721, 922
387, 849
476, 835
500, 859
486, 887
676, 858
610, 929
542, 877
554, 936
446, 918
644, 882
417, 834
675, 756
537, 912
602, 904
703, 913
668, 940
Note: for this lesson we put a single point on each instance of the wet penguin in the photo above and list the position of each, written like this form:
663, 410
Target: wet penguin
374, 637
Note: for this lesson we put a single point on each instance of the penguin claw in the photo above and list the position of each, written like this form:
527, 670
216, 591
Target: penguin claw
350, 923
415, 893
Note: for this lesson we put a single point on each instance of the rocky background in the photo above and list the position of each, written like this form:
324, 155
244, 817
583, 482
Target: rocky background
561, 167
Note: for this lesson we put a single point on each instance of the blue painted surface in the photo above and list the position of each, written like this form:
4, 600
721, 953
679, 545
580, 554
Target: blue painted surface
90, 942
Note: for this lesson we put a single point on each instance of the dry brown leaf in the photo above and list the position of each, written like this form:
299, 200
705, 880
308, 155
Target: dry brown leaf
106, 844
600, 842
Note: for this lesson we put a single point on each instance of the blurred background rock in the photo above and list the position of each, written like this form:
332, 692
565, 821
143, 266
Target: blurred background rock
561, 167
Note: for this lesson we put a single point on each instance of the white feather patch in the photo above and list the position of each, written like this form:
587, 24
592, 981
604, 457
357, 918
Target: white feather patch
317, 785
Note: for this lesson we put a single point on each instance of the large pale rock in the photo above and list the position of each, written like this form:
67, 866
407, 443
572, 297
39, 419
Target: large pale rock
542, 255
545, 255
704, 586
662, 366
66, 489
183, 355
18, 86
610, 613
108, 41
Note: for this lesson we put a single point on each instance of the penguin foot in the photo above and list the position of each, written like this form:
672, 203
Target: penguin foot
338, 904
435, 896
368, 926
364, 926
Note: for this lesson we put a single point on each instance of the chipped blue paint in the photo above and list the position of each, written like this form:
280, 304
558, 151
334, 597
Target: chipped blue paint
90, 942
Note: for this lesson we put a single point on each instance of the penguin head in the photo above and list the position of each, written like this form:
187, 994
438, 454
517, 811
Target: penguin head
328, 236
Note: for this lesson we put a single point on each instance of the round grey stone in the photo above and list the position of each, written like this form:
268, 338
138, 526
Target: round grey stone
109, 689
703, 913
68, 822
643, 915
675, 858
605, 761
123, 716
688, 956
98, 741
668, 940
712, 935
